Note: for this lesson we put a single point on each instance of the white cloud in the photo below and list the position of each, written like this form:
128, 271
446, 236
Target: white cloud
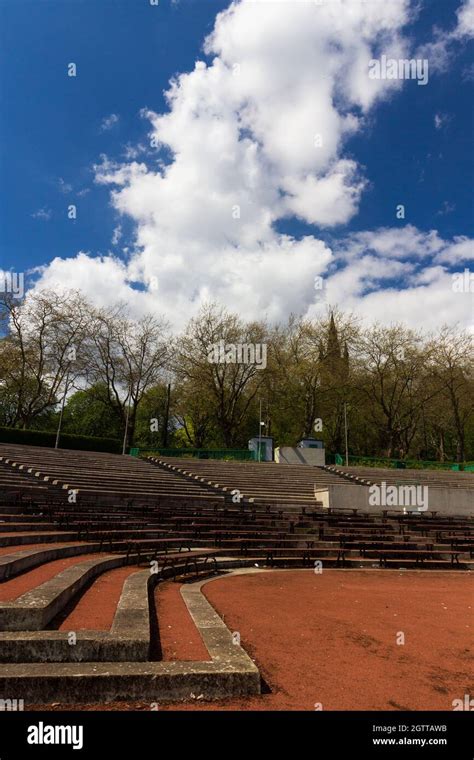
331, 200
43, 213
442, 48
446, 208
465, 17
257, 136
425, 304
131, 152
117, 234
64, 186
441, 120
103, 279
405, 244
108, 122
393, 243
460, 250
401, 274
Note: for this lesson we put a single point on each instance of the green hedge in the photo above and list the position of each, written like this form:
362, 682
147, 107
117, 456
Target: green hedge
66, 441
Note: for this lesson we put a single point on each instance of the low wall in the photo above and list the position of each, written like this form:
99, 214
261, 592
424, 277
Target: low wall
322, 495
446, 501
290, 455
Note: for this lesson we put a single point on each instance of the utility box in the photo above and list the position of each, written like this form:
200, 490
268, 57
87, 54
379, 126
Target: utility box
262, 447
310, 443
314, 454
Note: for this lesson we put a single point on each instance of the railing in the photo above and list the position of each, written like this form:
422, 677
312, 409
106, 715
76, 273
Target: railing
223, 454
401, 464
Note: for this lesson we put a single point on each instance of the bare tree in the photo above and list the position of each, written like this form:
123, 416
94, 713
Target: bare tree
126, 358
229, 386
452, 366
392, 363
42, 347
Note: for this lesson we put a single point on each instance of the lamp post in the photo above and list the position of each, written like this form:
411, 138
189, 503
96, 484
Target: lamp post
124, 447
345, 433
260, 433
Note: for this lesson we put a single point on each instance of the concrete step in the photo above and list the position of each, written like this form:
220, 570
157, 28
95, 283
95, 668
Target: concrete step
127, 641
36, 608
21, 560
18, 538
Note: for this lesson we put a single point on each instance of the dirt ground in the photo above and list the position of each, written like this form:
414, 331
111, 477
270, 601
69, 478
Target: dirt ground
179, 637
334, 641
96, 608
331, 640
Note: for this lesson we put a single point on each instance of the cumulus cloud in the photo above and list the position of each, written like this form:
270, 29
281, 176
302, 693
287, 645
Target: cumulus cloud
465, 20
255, 136
401, 274
430, 301
252, 137
405, 243
460, 250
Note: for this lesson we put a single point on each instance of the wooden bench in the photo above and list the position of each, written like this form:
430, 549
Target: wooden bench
203, 556
160, 546
308, 555
418, 555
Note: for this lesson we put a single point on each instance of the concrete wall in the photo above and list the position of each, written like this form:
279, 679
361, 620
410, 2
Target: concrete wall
322, 495
290, 455
446, 501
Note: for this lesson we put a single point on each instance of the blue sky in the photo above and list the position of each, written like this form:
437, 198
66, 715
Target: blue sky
412, 146
126, 52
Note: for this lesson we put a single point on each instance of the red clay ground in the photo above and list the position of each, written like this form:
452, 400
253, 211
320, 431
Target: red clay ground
179, 637
96, 608
330, 639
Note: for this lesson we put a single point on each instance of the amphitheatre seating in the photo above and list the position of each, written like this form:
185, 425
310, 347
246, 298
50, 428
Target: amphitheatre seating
157, 521
432, 478
97, 476
289, 487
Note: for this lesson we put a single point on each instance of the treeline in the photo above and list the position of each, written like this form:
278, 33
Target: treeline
406, 394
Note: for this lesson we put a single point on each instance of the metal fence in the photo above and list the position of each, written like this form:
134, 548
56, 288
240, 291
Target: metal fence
401, 464
241, 455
